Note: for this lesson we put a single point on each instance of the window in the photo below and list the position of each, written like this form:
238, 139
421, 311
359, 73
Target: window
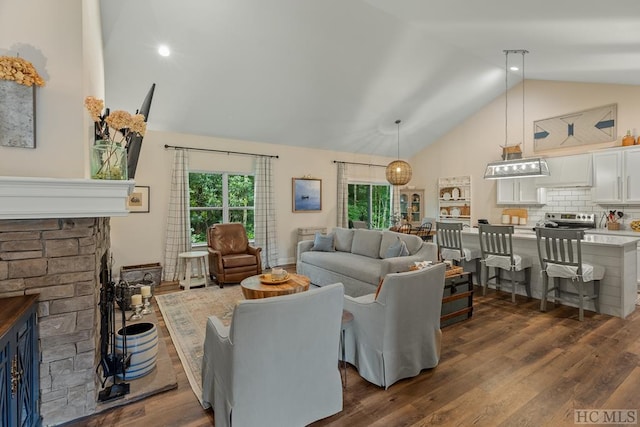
220, 198
370, 203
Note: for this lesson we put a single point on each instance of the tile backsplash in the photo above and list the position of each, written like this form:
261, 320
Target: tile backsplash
575, 199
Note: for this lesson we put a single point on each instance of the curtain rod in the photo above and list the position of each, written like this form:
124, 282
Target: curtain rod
221, 151
362, 164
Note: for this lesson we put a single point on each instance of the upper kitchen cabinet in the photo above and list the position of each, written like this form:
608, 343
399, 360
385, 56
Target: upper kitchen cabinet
520, 191
616, 176
567, 171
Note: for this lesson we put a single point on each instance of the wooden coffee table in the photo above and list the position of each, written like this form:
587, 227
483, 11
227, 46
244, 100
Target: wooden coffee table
253, 288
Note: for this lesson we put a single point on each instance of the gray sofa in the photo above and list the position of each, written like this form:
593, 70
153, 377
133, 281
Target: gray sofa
361, 258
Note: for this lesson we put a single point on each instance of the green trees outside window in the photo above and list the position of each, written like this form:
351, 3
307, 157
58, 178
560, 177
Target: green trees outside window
370, 203
220, 198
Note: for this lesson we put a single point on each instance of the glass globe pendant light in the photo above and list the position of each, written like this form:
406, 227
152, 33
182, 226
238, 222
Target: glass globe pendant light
398, 172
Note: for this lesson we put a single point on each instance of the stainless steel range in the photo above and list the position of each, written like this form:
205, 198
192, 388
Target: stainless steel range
569, 220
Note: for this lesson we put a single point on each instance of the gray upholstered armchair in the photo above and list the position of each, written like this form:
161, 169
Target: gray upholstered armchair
396, 333
231, 258
277, 363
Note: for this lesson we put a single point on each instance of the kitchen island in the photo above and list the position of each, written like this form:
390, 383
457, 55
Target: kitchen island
617, 253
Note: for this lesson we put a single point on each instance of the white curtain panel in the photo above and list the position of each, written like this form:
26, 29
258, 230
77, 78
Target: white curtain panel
343, 195
265, 212
178, 221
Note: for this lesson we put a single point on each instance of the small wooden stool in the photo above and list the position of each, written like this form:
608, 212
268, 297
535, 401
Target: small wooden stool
186, 280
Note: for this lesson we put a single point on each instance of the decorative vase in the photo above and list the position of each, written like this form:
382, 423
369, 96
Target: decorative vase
108, 160
628, 139
142, 345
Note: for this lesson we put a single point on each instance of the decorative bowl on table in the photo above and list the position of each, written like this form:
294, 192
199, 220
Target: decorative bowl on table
271, 279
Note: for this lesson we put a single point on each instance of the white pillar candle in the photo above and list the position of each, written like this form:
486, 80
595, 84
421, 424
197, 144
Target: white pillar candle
136, 299
145, 291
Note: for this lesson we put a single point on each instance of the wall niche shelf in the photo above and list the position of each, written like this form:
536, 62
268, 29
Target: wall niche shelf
454, 199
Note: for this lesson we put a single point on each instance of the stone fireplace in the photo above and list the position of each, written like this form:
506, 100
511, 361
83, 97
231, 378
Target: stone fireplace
53, 235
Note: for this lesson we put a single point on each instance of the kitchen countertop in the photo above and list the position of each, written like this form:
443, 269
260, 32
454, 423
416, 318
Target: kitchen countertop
594, 237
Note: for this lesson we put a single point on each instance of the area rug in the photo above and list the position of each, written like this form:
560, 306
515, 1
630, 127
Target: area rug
185, 313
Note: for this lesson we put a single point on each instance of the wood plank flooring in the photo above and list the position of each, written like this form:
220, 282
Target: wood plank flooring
510, 365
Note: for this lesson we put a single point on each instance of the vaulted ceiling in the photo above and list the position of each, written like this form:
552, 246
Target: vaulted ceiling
336, 74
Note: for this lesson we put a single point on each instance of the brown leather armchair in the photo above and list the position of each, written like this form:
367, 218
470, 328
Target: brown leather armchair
231, 258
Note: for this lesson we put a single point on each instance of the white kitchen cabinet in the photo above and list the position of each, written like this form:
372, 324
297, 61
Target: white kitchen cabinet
567, 171
616, 176
520, 191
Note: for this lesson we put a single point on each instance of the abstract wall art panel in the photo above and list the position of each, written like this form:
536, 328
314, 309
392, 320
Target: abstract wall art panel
569, 130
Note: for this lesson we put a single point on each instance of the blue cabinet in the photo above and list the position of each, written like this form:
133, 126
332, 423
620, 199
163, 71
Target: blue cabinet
19, 362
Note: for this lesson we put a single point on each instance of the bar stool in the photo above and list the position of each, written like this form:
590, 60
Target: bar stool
187, 280
497, 253
449, 239
561, 258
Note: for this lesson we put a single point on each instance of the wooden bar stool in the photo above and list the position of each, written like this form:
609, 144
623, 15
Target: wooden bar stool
561, 259
497, 252
187, 280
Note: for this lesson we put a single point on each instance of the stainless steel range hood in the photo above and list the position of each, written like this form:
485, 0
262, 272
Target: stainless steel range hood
517, 168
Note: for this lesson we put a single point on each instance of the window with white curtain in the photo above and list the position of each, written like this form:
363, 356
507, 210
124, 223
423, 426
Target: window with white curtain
220, 197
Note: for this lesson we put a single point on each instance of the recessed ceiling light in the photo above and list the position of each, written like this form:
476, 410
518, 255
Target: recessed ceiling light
511, 68
163, 50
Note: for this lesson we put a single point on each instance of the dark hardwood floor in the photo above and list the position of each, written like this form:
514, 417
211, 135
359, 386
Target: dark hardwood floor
510, 365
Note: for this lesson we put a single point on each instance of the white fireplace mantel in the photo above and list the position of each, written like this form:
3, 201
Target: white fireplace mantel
37, 198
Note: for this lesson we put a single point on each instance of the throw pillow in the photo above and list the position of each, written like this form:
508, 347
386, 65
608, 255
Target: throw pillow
394, 250
323, 243
399, 248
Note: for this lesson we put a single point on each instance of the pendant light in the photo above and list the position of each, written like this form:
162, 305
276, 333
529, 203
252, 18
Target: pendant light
398, 172
511, 167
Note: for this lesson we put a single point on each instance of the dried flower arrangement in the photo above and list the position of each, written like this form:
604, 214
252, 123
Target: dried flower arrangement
109, 158
20, 71
120, 121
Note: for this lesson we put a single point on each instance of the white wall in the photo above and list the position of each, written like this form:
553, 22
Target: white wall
140, 237
50, 35
469, 147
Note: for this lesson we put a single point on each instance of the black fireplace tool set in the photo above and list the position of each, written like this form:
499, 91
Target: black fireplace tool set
112, 363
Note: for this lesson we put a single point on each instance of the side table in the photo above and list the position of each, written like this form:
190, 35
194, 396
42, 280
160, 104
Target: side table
187, 281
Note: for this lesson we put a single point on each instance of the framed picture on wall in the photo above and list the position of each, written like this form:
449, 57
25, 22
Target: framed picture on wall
138, 201
307, 194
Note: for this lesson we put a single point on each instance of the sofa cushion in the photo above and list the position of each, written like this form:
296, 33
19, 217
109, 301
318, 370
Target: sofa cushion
238, 260
366, 242
414, 243
343, 239
323, 243
365, 269
399, 248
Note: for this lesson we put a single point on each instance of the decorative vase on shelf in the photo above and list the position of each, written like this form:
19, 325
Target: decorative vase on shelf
628, 139
108, 160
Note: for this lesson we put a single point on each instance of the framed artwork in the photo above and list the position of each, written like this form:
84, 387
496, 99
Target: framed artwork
138, 201
307, 194
569, 130
17, 115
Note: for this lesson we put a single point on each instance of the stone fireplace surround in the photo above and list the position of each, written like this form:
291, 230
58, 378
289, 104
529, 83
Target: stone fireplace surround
53, 235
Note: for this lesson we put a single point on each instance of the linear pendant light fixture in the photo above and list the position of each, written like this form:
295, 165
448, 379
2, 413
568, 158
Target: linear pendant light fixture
515, 168
398, 172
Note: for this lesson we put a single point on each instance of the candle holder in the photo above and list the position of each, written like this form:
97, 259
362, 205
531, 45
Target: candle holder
146, 304
136, 314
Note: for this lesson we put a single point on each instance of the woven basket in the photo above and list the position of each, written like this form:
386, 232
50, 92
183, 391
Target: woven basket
613, 225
